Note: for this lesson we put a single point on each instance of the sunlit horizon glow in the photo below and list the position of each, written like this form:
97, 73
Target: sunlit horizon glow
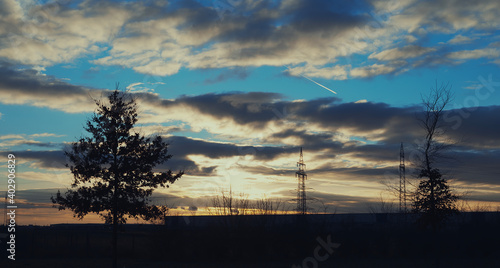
237, 89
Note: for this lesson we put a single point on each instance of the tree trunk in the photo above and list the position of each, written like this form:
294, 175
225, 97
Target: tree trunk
115, 240
115, 229
115, 211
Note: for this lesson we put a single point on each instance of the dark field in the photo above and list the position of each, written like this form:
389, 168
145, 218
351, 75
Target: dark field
273, 241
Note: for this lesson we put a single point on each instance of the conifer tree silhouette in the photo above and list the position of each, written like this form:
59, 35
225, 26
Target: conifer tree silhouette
114, 168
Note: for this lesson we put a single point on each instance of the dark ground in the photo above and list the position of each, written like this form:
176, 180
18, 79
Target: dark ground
106, 263
246, 243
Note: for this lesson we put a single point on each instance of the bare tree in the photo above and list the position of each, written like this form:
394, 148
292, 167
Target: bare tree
433, 197
227, 203
267, 206
382, 206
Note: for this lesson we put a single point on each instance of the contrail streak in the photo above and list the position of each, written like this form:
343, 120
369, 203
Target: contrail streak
314, 82
319, 84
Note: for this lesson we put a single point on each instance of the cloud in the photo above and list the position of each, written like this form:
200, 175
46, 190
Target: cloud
252, 111
460, 39
15, 141
282, 122
314, 38
189, 167
43, 159
140, 87
55, 33
473, 167
411, 51
475, 54
10, 143
37, 135
182, 147
225, 114
361, 117
11, 136
29, 88
238, 73
253, 115
372, 70
131, 86
449, 16
37, 198
336, 72
162, 39
475, 127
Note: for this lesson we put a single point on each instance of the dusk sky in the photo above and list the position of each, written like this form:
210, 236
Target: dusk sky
238, 86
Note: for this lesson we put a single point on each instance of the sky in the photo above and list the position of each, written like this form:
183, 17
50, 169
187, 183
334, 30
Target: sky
237, 87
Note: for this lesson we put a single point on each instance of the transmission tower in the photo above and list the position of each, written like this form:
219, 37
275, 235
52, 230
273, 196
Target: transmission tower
301, 189
402, 181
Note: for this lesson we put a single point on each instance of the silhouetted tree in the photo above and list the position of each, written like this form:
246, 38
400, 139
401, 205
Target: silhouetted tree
433, 197
227, 203
113, 167
267, 206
